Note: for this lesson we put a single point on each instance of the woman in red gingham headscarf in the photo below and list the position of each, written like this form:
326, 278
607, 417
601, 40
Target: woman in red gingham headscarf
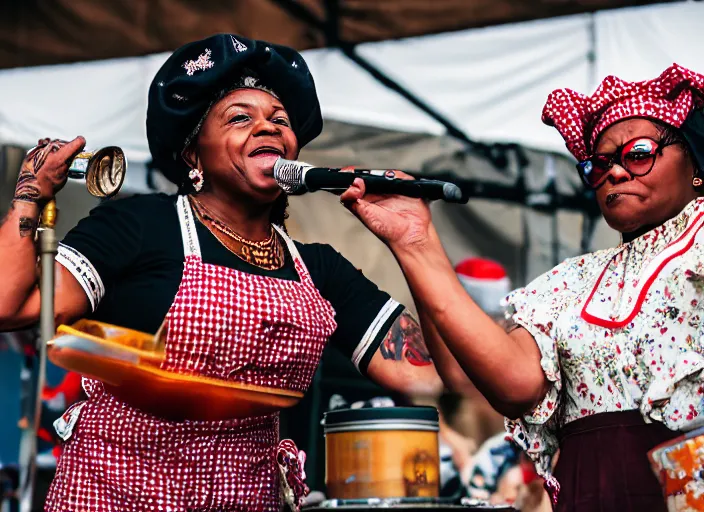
604, 356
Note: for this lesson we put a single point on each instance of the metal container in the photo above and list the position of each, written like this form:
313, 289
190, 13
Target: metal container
384, 452
104, 170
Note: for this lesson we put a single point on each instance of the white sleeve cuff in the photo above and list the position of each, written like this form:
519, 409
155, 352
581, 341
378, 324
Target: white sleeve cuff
372, 333
84, 272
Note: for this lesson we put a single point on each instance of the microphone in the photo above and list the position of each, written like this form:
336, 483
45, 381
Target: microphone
297, 178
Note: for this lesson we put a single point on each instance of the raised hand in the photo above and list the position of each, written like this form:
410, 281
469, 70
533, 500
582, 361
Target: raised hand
45, 170
399, 221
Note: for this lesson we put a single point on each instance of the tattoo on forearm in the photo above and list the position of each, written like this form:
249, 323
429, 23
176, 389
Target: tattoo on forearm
28, 188
27, 226
404, 341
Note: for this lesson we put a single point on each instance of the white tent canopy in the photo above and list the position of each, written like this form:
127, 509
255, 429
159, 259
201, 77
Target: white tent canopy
491, 83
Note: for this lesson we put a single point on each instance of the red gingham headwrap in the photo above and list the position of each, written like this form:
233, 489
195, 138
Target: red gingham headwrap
580, 119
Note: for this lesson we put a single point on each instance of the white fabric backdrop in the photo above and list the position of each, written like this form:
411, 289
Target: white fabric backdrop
491, 82
638, 43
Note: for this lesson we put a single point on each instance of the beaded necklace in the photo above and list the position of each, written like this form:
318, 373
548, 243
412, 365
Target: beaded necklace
267, 254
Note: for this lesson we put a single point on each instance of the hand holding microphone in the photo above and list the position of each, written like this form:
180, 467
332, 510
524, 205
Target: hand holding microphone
400, 221
298, 178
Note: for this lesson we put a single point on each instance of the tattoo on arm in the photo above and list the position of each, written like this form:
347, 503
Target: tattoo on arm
27, 186
27, 226
404, 341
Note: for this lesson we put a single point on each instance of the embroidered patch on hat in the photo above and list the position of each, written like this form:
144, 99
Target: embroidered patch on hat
250, 81
239, 46
202, 63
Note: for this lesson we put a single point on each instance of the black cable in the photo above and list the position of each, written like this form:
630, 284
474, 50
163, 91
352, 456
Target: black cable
546, 200
302, 13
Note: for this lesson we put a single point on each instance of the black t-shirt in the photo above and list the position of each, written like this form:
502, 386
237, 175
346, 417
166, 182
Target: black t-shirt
128, 256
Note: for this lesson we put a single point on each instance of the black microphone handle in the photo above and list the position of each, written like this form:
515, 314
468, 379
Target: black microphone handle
331, 181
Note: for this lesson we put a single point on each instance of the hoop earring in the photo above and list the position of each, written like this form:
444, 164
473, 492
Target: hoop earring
196, 176
697, 182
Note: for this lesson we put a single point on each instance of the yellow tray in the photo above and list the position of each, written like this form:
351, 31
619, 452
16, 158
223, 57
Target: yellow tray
118, 357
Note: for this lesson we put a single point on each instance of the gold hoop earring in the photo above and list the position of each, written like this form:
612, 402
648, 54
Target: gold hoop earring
697, 182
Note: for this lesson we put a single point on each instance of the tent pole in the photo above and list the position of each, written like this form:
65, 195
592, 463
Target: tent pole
349, 51
332, 23
302, 13
331, 29
48, 246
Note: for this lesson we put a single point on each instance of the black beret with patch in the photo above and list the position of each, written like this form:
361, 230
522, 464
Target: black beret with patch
192, 77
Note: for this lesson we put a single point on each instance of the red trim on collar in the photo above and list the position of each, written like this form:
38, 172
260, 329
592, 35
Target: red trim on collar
615, 324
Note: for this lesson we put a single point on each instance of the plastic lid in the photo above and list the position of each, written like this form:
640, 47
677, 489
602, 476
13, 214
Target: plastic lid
381, 413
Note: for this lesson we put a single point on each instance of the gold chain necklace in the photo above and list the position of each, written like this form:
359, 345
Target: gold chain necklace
209, 215
267, 254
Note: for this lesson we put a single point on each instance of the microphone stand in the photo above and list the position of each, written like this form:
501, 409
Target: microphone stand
48, 246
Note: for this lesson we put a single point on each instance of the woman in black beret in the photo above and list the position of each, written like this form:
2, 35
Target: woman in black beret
242, 301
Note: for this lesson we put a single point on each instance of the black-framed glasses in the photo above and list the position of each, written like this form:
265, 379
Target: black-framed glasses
637, 157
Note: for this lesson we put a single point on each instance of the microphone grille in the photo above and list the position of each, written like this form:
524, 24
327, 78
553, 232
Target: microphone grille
289, 175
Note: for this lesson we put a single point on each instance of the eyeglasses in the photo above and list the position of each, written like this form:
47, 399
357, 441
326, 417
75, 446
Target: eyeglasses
637, 157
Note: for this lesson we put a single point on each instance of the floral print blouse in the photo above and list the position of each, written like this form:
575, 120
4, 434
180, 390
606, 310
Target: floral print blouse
618, 329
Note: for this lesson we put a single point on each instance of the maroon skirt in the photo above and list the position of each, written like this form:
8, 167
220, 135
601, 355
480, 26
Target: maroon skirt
603, 464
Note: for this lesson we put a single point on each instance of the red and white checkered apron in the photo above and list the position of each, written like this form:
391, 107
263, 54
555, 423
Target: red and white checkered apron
225, 324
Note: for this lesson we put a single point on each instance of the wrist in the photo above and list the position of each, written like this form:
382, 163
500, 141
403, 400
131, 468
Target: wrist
426, 241
26, 208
